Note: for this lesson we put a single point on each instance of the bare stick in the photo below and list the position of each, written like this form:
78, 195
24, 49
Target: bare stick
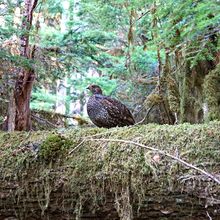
44, 120
77, 147
146, 116
161, 152
143, 15
210, 218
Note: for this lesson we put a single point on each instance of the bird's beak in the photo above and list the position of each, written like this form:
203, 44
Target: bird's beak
88, 87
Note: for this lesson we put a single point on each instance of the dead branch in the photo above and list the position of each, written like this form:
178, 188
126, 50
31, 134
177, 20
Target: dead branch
77, 147
39, 119
146, 116
78, 118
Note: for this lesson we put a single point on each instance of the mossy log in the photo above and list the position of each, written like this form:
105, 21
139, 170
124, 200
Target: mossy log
91, 173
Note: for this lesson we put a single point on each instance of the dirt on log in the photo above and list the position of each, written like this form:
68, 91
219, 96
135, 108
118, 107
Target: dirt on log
139, 172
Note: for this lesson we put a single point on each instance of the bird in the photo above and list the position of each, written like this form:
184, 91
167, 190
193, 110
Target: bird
107, 112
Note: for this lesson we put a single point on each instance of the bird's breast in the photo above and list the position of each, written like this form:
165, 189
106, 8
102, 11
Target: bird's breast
95, 110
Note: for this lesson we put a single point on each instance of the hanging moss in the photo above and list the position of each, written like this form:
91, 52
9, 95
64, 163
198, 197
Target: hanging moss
190, 94
185, 94
212, 93
153, 99
173, 95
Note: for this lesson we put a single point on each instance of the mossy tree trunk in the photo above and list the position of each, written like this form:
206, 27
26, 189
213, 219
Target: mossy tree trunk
212, 93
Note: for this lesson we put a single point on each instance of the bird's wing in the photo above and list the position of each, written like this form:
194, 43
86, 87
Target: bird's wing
117, 110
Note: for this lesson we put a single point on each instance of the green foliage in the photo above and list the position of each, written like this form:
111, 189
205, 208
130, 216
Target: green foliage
89, 42
42, 100
50, 37
99, 27
145, 61
104, 82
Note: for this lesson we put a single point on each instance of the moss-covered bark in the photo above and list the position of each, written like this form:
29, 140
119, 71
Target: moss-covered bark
56, 175
212, 93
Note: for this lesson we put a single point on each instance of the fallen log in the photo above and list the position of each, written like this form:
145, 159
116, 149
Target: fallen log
140, 172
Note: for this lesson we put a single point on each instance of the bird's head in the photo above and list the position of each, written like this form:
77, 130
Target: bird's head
95, 89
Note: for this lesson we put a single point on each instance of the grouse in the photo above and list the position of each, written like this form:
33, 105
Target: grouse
107, 112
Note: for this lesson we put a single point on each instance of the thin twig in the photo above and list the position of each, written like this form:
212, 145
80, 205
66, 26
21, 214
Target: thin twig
142, 15
75, 148
210, 218
161, 152
44, 120
148, 112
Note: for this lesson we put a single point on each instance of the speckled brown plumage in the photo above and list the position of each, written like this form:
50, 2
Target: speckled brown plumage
107, 112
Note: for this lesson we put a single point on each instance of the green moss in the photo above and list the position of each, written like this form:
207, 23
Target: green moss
191, 97
153, 99
212, 93
96, 167
185, 95
173, 95
54, 146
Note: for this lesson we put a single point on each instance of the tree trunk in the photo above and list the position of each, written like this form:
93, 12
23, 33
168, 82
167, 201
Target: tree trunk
22, 95
20, 100
11, 113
